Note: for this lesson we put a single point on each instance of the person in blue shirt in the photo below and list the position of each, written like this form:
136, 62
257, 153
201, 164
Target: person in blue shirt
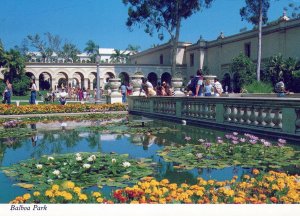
123, 92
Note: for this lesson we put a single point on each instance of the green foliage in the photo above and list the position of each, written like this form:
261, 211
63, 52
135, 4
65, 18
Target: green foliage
251, 11
92, 50
244, 71
277, 68
258, 87
226, 154
84, 169
21, 85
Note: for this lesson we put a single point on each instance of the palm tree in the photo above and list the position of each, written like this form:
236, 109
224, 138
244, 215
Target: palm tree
69, 52
118, 56
92, 50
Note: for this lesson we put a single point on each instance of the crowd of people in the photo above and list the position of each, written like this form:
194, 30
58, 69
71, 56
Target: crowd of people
197, 86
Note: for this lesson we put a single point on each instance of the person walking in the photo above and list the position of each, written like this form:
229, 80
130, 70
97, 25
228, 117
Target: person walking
7, 93
33, 90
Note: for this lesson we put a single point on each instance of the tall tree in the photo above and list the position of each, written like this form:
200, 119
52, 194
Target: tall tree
69, 52
163, 14
118, 56
294, 9
92, 50
47, 47
255, 12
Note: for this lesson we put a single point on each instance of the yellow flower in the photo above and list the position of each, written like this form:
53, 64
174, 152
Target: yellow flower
82, 197
246, 177
215, 199
99, 200
275, 187
162, 201
173, 186
153, 198
199, 193
154, 183
255, 171
26, 196
77, 189
69, 184
36, 193
55, 187
68, 196
134, 202
164, 181
49, 193
210, 182
148, 191
96, 194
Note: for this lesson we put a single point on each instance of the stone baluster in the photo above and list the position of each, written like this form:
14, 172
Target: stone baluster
213, 111
252, 117
260, 118
239, 115
268, 118
232, 113
245, 115
226, 113
276, 119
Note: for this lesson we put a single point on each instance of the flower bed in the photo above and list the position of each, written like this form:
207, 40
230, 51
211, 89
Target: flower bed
245, 151
85, 169
53, 108
271, 187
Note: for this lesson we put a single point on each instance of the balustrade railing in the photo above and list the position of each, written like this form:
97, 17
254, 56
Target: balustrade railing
266, 114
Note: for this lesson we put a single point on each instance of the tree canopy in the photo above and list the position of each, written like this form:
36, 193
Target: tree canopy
251, 11
160, 15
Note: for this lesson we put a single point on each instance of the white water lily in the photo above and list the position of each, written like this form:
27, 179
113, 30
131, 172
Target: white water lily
39, 166
86, 166
50, 158
79, 158
65, 163
78, 155
113, 160
126, 164
56, 172
91, 158
49, 180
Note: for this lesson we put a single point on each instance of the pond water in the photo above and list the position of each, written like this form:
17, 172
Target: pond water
51, 139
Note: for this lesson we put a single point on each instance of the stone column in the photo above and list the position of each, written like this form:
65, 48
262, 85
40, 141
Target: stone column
136, 82
53, 84
86, 83
37, 83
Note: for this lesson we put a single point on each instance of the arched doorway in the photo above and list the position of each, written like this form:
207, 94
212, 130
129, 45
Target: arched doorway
236, 82
79, 79
166, 77
226, 81
92, 83
124, 78
152, 77
45, 81
30, 75
107, 76
62, 80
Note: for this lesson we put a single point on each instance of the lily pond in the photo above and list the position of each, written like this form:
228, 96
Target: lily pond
117, 152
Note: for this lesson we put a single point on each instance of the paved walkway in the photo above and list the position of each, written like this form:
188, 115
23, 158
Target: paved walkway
61, 114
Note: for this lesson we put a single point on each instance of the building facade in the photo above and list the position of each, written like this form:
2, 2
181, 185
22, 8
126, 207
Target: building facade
281, 36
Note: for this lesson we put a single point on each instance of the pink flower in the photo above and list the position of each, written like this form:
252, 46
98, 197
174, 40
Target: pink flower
235, 142
267, 144
235, 133
283, 141
242, 140
201, 140
234, 138
228, 136
252, 141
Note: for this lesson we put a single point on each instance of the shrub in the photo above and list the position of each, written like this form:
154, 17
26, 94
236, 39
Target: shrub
259, 87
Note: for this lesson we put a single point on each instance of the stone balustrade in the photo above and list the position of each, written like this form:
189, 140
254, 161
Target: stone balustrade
268, 116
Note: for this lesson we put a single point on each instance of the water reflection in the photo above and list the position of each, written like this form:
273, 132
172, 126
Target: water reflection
54, 140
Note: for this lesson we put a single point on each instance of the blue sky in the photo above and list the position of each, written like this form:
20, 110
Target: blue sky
103, 21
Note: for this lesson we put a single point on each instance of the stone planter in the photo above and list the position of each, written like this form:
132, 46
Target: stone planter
136, 82
177, 84
210, 77
115, 96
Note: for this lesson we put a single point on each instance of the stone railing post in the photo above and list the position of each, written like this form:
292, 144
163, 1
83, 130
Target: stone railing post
289, 117
220, 110
178, 108
151, 105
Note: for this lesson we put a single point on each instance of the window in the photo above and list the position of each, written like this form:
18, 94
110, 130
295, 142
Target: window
247, 48
192, 59
161, 59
